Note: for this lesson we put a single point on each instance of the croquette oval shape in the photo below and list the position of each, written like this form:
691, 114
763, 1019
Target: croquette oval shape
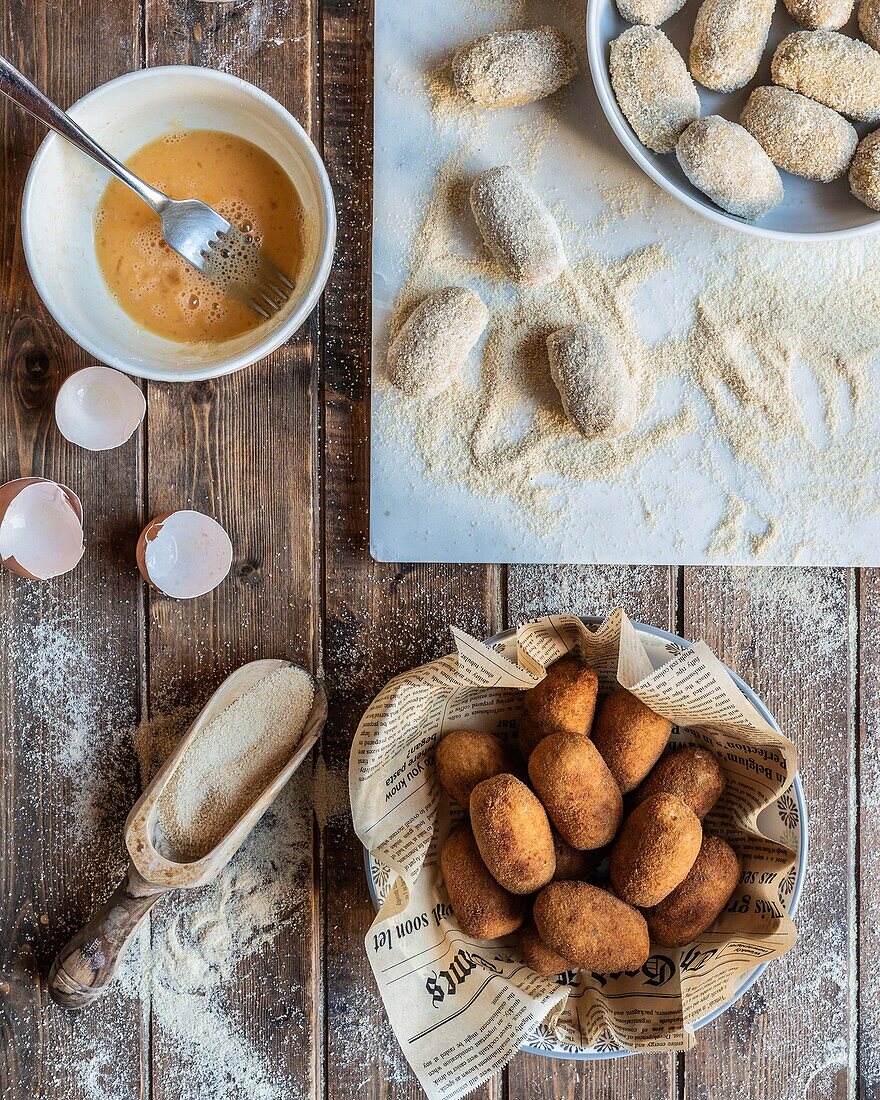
513, 834
630, 736
537, 955
577, 789
483, 908
690, 773
591, 927
798, 134
694, 905
465, 758
563, 702
652, 86
511, 68
655, 849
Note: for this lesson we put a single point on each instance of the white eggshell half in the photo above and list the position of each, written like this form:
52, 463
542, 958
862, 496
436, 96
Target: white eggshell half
41, 534
99, 408
187, 554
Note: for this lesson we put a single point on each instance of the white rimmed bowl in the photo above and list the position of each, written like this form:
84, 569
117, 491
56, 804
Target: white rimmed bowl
64, 187
784, 820
810, 211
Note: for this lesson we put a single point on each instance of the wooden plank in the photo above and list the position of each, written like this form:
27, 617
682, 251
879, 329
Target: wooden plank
647, 594
241, 449
380, 619
868, 850
68, 648
790, 633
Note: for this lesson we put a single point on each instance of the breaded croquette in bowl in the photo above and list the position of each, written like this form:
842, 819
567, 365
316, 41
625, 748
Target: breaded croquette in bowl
577, 789
483, 908
465, 758
655, 849
513, 834
690, 773
591, 927
563, 702
695, 904
630, 736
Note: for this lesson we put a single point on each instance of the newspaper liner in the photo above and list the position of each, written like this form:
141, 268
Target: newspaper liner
460, 1007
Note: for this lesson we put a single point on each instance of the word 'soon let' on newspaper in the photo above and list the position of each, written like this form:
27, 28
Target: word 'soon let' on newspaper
461, 1007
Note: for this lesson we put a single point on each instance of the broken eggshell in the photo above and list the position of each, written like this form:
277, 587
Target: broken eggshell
99, 408
41, 534
184, 554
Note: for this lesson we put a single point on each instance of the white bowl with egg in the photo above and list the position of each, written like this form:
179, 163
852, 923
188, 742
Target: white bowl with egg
64, 188
809, 211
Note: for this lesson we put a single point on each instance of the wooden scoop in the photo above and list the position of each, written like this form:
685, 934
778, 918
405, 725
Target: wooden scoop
83, 969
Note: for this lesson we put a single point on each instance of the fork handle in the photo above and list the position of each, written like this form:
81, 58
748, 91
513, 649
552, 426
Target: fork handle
18, 88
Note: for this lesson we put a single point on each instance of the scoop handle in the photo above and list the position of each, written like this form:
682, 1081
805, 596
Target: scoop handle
83, 969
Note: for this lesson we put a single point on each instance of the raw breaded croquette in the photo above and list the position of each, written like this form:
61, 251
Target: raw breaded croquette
483, 908
591, 927
510, 68
729, 39
630, 737
799, 134
840, 72
537, 955
435, 340
650, 12
572, 863
864, 172
517, 227
690, 773
513, 834
577, 789
725, 162
869, 22
655, 849
563, 702
694, 905
652, 86
465, 758
814, 15
598, 393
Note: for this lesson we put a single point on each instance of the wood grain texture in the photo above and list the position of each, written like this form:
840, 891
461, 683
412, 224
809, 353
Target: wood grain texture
868, 848
241, 449
67, 689
279, 454
647, 595
380, 619
790, 634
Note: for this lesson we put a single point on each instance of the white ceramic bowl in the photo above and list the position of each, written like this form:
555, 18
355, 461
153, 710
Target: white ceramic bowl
64, 187
809, 210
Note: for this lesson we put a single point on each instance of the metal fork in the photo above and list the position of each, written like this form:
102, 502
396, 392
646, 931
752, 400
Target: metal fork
193, 229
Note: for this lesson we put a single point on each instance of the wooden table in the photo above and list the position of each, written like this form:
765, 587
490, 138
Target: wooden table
279, 453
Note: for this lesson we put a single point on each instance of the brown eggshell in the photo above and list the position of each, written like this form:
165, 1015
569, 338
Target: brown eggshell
655, 849
150, 532
513, 834
563, 702
591, 927
483, 909
537, 955
690, 773
694, 905
466, 757
577, 789
630, 736
8, 492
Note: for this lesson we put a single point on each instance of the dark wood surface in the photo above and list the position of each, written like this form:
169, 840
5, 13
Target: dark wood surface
279, 453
